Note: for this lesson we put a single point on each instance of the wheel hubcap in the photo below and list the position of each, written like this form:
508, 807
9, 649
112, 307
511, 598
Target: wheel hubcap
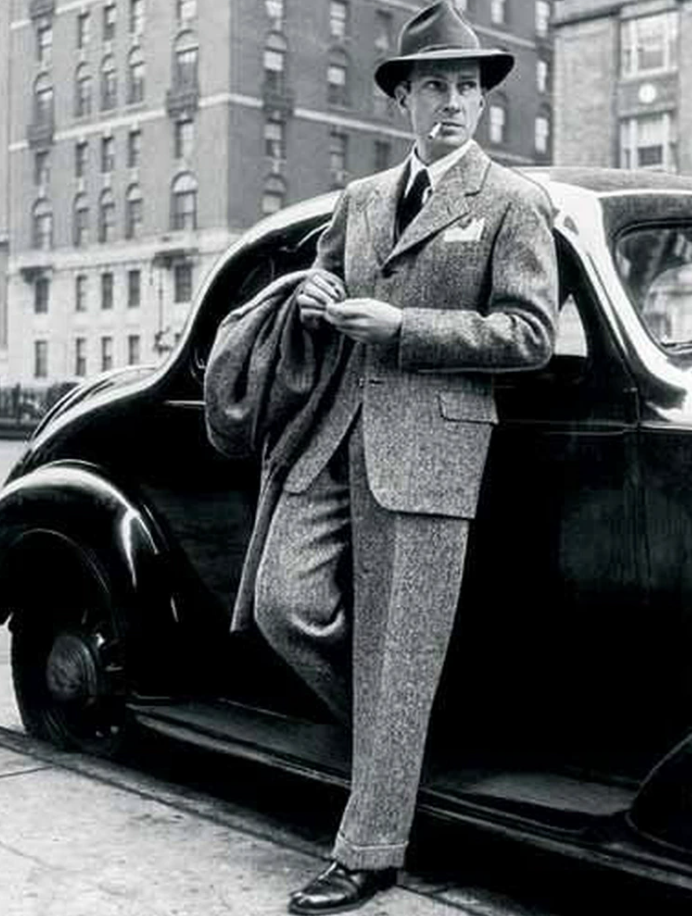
72, 671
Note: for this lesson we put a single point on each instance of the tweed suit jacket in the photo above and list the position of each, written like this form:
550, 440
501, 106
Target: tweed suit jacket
475, 275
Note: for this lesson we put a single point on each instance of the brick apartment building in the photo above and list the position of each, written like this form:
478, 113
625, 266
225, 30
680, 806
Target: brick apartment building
145, 135
622, 80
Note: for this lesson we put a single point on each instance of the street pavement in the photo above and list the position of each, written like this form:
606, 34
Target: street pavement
80, 837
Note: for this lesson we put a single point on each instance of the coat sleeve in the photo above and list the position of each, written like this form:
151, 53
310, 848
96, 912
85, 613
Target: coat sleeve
332, 243
517, 331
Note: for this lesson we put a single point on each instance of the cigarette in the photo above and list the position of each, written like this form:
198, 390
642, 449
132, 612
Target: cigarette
435, 130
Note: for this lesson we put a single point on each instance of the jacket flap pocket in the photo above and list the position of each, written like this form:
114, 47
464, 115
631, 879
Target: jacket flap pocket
468, 406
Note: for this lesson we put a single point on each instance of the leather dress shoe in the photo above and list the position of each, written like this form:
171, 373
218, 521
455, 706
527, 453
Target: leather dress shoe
338, 889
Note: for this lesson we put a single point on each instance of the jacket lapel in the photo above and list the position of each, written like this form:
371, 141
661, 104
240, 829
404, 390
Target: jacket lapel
380, 211
449, 202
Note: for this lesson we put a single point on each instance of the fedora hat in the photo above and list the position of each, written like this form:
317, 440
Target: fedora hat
440, 32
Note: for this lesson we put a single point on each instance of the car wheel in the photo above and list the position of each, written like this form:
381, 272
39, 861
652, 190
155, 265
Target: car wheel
68, 662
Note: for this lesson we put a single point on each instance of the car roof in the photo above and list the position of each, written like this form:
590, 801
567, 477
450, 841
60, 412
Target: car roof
606, 181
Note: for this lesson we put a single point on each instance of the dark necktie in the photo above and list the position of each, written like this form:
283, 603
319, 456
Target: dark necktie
413, 201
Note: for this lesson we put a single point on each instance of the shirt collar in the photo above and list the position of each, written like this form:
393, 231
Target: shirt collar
436, 169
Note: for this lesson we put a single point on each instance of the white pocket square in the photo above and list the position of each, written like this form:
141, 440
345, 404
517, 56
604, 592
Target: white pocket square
471, 232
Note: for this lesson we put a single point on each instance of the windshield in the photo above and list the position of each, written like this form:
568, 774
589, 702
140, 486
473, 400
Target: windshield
655, 265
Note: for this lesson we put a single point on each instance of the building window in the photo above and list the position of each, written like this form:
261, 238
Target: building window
134, 148
649, 43
338, 158
83, 91
135, 77
337, 80
184, 202
648, 142
134, 212
107, 216
187, 9
542, 134
83, 29
542, 17
184, 138
542, 75
44, 43
384, 31
134, 350
182, 282
109, 84
106, 353
136, 17
497, 11
110, 16
383, 155
80, 361
40, 359
107, 154
43, 100
338, 19
80, 233
275, 10
274, 139
186, 62
42, 225
274, 195
275, 64
134, 288
107, 290
498, 123
41, 168
80, 293
81, 158
41, 295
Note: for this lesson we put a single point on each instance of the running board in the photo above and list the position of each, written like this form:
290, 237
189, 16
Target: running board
540, 798
554, 812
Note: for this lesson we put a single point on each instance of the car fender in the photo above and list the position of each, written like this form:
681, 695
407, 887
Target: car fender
662, 809
75, 502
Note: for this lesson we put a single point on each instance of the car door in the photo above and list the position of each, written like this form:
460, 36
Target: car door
554, 575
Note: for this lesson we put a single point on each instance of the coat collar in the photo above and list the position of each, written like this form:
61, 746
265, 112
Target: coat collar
449, 202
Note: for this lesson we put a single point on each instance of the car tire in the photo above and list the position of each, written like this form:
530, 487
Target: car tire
68, 659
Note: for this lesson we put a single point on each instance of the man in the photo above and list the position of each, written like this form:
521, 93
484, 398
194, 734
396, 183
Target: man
439, 273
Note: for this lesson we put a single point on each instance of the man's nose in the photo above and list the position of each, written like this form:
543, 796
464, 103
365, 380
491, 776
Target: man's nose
454, 98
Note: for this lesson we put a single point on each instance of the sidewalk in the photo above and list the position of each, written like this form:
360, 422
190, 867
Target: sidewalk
82, 837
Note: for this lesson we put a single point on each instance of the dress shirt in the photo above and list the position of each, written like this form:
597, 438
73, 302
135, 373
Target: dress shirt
436, 169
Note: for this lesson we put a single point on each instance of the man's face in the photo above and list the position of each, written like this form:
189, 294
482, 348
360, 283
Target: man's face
448, 94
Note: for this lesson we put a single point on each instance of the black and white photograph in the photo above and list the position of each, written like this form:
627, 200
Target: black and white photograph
345, 457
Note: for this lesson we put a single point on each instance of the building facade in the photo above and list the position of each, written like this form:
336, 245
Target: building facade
622, 81
145, 135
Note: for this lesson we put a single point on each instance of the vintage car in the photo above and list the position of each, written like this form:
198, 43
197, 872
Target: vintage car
564, 718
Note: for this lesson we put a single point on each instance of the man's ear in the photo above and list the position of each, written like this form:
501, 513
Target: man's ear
401, 96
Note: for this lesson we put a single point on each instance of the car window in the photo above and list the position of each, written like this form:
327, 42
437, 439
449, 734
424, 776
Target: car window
571, 336
655, 265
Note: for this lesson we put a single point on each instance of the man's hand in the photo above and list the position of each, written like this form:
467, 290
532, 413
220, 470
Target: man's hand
366, 320
319, 289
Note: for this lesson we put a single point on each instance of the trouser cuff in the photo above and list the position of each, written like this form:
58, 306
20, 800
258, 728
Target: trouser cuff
372, 857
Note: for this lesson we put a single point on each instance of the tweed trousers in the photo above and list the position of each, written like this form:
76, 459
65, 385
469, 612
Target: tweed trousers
361, 601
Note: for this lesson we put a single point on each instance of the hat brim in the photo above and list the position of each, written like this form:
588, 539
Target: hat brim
494, 65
